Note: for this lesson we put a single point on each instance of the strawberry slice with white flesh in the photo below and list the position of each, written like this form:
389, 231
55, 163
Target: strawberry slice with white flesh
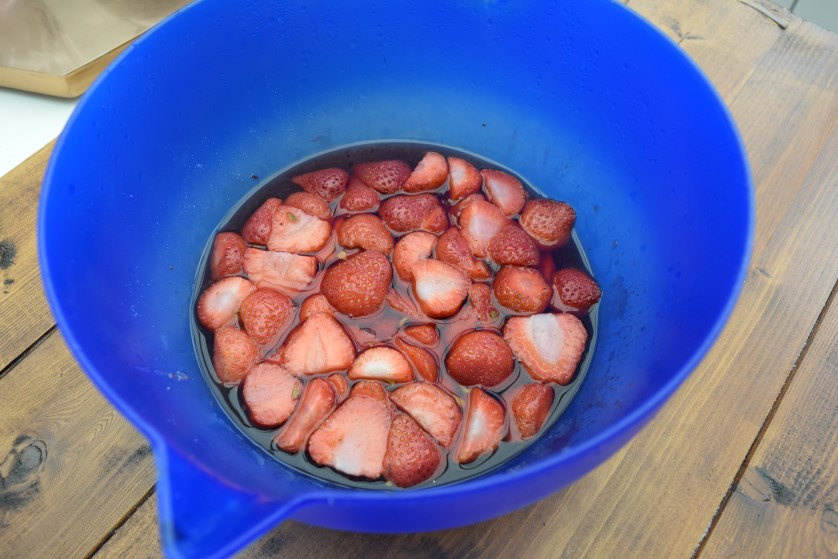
270, 394
549, 346
319, 345
316, 404
279, 270
381, 363
484, 427
440, 288
219, 304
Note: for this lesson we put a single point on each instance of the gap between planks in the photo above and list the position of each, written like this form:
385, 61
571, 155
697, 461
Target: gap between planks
25, 353
142, 501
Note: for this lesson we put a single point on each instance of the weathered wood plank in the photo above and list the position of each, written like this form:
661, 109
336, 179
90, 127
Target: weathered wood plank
138, 538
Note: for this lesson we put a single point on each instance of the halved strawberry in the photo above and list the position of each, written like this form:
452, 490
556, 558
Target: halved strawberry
318, 345
549, 346
220, 302
403, 305
293, 230
458, 208
226, 256
326, 183
314, 304
423, 333
480, 357
381, 363
575, 290
504, 191
422, 359
279, 270
310, 204
480, 221
233, 354
384, 176
429, 174
410, 249
434, 409
340, 385
411, 457
463, 178
265, 315
314, 407
512, 246
365, 231
453, 249
439, 288
530, 408
359, 197
257, 229
522, 290
484, 428
353, 440
270, 394
370, 389
358, 285
480, 297
404, 214
549, 222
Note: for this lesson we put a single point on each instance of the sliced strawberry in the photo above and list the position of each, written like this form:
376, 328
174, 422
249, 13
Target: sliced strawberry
365, 231
484, 427
429, 174
293, 230
530, 408
440, 288
318, 345
480, 297
549, 346
458, 208
411, 457
326, 183
314, 407
453, 249
522, 290
403, 305
410, 249
265, 315
314, 304
233, 354
384, 176
226, 256
575, 290
547, 266
381, 363
257, 229
480, 221
359, 197
220, 302
370, 389
310, 204
279, 270
340, 385
480, 357
421, 359
353, 440
512, 246
270, 394
434, 409
548, 222
463, 178
358, 285
504, 191
404, 214
423, 333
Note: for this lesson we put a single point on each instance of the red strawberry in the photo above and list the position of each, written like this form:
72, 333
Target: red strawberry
480, 297
548, 222
233, 354
226, 256
480, 357
530, 408
429, 174
359, 197
358, 285
575, 290
265, 315
365, 231
384, 176
458, 208
422, 359
270, 394
504, 191
370, 389
279, 270
434, 409
512, 246
484, 428
480, 221
453, 249
410, 249
423, 333
411, 457
340, 385
220, 302
463, 178
522, 290
547, 266
318, 345
295, 231
404, 214
314, 304
440, 288
257, 229
310, 204
403, 305
549, 346
317, 403
381, 363
353, 440
326, 183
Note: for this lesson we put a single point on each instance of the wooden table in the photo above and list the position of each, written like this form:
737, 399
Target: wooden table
741, 462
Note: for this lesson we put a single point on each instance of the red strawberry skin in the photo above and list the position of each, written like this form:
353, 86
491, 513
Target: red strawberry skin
340, 385
549, 222
266, 315
460, 206
219, 303
434, 409
480, 297
512, 246
358, 285
314, 304
326, 183
410, 249
365, 231
314, 407
575, 290
440, 288
453, 249
234, 353
485, 425
422, 359
504, 190
310, 204
530, 408
411, 457
386, 177
463, 178
426, 334
549, 346
480, 357
257, 229
522, 290
226, 256
359, 197
422, 212
369, 389
270, 394
429, 174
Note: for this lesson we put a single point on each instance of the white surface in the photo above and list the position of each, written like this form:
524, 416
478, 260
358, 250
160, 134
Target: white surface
28, 122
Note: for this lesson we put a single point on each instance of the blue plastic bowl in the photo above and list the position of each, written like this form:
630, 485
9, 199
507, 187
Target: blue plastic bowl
582, 98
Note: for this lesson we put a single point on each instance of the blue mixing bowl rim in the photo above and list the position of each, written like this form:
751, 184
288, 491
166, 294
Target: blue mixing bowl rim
636, 418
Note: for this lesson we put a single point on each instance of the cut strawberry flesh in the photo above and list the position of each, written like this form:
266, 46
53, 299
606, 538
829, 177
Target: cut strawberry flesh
423, 333
434, 409
452, 248
421, 359
295, 231
219, 304
317, 402
270, 394
440, 288
410, 249
504, 190
429, 174
463, 178
279, 270
480, 221
485, 425
319, 345
549, 346
381, 363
